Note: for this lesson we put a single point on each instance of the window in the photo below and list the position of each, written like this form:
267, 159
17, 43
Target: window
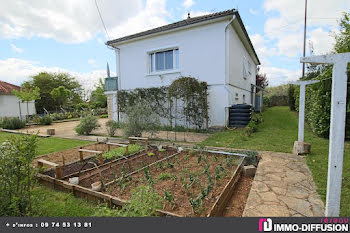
247, 67
164, 60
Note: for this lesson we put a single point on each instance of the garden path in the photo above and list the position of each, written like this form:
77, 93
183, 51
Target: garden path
283, 187
66, 130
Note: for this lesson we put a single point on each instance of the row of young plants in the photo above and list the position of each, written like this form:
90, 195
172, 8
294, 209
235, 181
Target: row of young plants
187, 178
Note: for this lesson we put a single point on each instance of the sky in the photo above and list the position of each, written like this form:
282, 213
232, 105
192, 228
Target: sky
68, 35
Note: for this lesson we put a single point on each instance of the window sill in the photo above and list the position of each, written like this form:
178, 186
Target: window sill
163, 72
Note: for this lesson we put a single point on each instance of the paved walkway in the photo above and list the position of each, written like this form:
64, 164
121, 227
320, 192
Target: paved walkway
283, 187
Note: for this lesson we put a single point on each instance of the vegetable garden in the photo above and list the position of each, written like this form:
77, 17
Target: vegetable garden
191, 182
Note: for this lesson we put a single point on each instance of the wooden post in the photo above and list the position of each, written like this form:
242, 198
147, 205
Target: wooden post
126, 150
108, 147
81, 154
59, 173
63, 160
100, 158
337, 127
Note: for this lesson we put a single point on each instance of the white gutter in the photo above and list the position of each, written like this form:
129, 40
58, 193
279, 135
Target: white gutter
227, 59
114, 98
117, 61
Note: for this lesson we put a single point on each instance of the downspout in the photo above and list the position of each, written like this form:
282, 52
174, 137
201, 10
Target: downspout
227, 59
226, 71
114, 99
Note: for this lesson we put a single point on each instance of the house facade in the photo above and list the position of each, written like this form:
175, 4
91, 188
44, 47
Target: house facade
12, 106
213, 48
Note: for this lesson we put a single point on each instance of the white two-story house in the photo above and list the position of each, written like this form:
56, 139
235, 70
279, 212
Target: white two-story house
214, 48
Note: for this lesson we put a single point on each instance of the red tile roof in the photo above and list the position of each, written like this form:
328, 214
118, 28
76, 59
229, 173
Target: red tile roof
7, 87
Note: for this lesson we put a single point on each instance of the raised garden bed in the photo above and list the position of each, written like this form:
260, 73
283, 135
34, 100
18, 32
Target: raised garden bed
90, 157
192, 183
113, 170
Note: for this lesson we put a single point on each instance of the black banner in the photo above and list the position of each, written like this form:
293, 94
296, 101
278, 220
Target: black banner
171, 224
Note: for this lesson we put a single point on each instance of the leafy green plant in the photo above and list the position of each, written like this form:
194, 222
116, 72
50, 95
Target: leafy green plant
186, 157
87, 125
45, 120
199, 158
169, 163
148, 176
144, 202
17, 175
111, 127
120, 151
12, 123
150, 154
166, 176
162, 150
140, 118
168, 196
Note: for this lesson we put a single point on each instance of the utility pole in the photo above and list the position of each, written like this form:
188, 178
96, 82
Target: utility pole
303, 74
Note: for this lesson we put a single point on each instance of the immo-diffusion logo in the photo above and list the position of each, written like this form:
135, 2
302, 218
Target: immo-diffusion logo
265, 224
326, 224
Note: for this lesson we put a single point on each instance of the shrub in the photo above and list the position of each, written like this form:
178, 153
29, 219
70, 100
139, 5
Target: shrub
12, 123
291, 97
112, 126
144, 202
140, 118
45, 120
251, 158
252, 127
87, 125
17, 175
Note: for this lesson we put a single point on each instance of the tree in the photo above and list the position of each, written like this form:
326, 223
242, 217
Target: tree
98, 96
61, 95
342, 39
27, 95
46, 82
318, 96
261, 79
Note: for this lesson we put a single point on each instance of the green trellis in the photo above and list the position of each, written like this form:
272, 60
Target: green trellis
164, 100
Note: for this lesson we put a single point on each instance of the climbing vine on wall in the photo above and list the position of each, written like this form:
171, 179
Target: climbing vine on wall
188, 91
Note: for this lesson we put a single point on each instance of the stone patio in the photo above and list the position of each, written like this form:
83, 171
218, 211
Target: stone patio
283, 187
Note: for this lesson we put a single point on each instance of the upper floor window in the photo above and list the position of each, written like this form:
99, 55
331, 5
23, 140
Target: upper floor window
247, 67
164, 60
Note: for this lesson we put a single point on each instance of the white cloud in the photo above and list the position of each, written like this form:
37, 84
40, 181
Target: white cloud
277, 76
78, 21
283, 33
17, 71
287, 25
92, 61
188, 3
16, 49
259, 43
321, 40
252, 11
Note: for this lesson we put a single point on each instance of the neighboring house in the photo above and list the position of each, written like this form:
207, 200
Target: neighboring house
10, 105
214, 48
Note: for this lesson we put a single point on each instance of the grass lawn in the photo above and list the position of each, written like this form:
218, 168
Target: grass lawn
51, 144
48, 202
278, 133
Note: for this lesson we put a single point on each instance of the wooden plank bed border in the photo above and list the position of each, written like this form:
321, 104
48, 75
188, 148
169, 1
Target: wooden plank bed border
220, 204
82, 192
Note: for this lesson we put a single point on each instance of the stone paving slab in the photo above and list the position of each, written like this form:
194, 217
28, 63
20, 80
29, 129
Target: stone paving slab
283, 187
